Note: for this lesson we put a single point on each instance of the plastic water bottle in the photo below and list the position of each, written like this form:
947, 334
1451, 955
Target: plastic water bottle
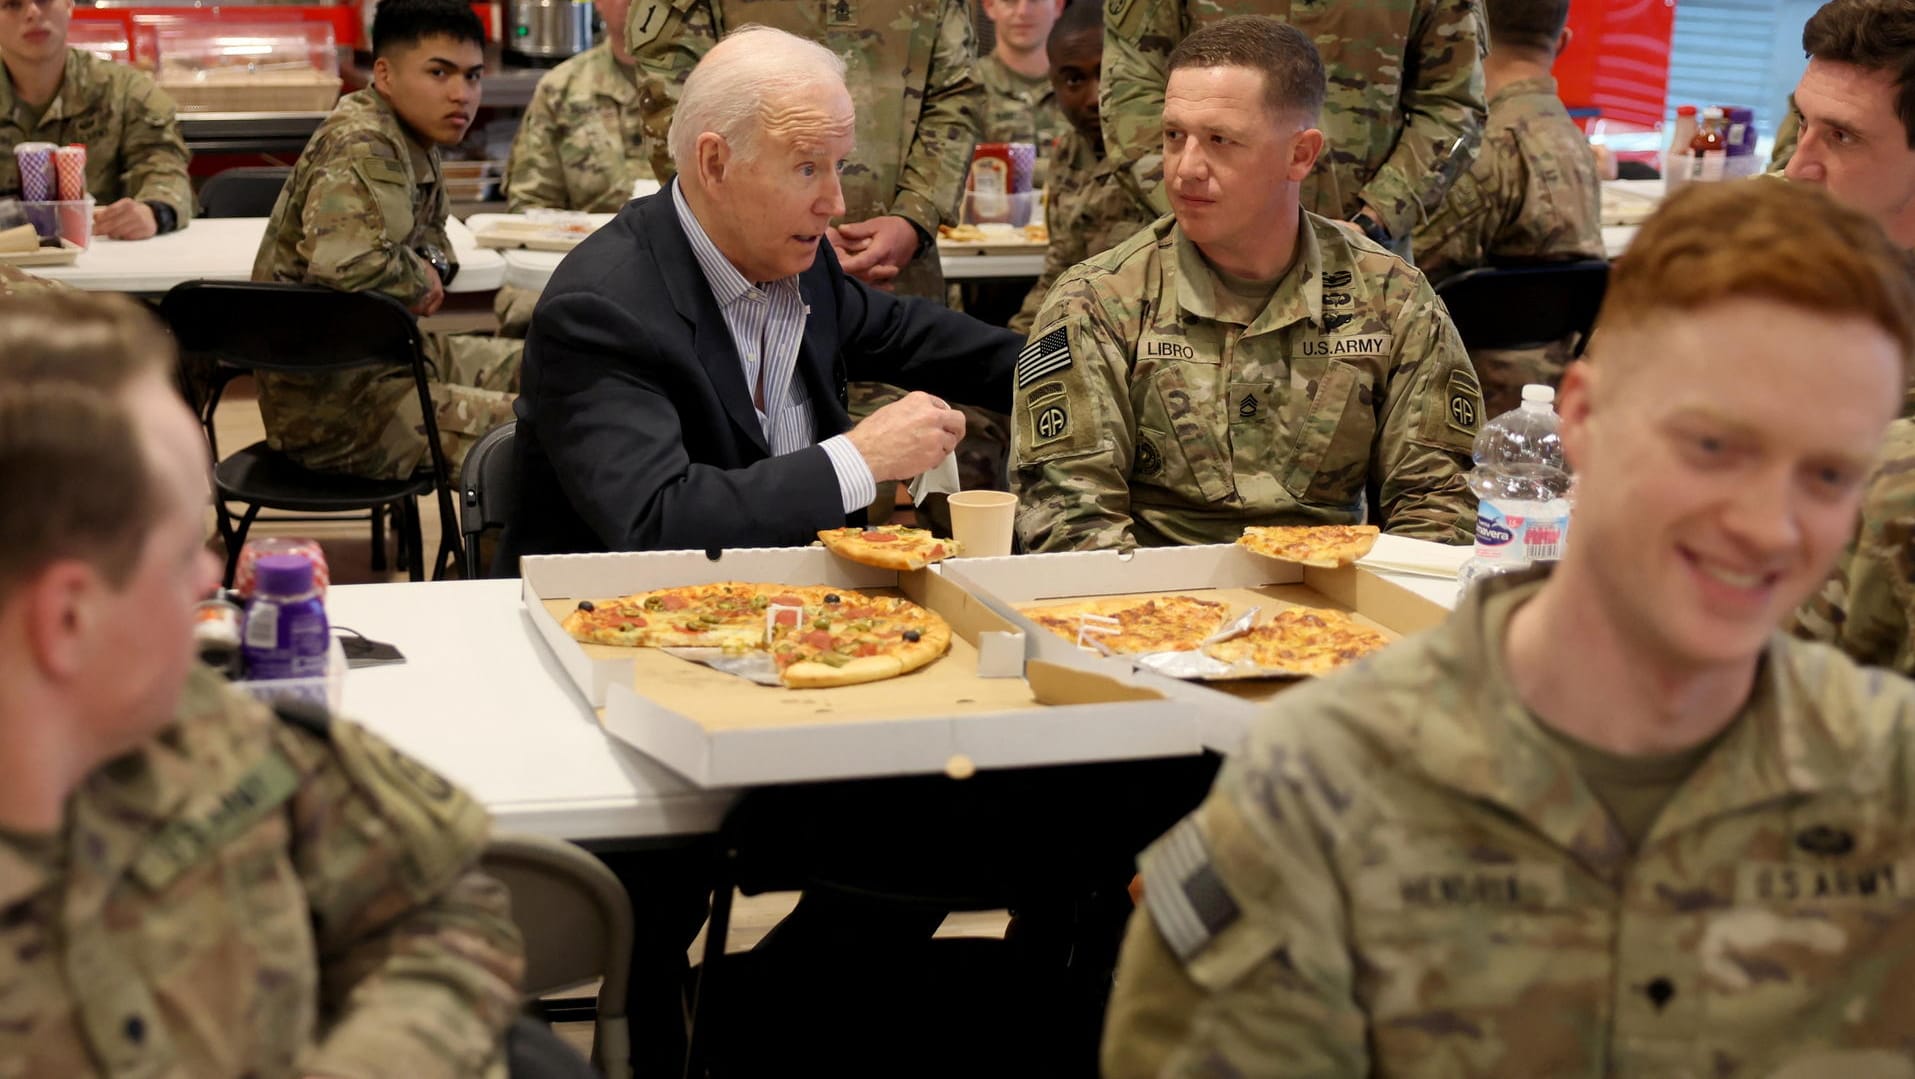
286, 634
1522, 485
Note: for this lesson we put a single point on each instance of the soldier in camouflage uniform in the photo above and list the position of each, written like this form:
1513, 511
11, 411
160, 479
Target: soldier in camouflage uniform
581, 145
1019, 102
190, 886
1857, 129
1605, 820
1403, 116
1865, 607
135, 157
1090, 202
1532, 194
1242, 362
365, 210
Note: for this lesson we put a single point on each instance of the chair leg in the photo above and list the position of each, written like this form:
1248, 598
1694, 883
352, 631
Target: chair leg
379, 539
238, 541
415, 543
704, 1005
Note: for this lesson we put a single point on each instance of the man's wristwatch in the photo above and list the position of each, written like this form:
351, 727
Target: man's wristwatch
437, 259
1372, 228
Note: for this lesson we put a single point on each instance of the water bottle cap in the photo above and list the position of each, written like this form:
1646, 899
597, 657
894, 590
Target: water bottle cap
1535, 392
283, 575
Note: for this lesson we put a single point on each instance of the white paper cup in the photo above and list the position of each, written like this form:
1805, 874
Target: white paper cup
981, 521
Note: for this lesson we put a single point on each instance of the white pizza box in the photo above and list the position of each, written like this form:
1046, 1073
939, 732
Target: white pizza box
978, 706
1221, 571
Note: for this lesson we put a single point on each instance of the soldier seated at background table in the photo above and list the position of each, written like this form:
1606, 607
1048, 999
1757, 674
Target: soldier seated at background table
1090, 200
365, 211
1531, 195
1855, 106
189, 884
1605, 820
135, 157
1020, 101
580, 146
1243, 361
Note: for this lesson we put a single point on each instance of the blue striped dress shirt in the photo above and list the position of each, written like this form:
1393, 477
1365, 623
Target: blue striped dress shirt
767, 324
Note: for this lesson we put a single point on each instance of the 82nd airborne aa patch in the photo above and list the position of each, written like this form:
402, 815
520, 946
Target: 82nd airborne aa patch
1463, 413
1049, 417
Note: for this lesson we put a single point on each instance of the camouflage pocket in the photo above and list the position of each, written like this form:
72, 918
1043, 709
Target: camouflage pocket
386, 182
1179, 416
1332, 437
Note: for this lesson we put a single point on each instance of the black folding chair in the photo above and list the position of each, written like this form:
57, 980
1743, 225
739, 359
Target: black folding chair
488, 483
1526, 306
306, 329
243, 192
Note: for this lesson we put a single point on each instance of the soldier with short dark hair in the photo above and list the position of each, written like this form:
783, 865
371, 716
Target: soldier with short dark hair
135, 157
1242, 361
1019, 103
190, 885
1856, 109
1090, 200
1402, 119
365, 211
1532, 194
1605, 819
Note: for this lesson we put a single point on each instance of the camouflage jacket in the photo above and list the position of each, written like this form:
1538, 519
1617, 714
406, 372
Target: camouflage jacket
241, 896
1403, 874
1531, 195
1019, 109
1153, 408
1405, 106
126, 122
1867, 608
909, 70
580, 144
1091, 205
363, 196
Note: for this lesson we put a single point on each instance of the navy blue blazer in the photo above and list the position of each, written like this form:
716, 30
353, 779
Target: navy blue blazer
636, 429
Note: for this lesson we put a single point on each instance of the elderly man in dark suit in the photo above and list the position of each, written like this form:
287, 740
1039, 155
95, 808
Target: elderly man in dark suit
685, 371
684, 385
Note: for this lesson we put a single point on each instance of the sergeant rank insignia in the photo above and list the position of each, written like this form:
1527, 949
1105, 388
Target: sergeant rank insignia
1047, 355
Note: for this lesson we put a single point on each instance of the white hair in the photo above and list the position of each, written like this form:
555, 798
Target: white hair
737, 84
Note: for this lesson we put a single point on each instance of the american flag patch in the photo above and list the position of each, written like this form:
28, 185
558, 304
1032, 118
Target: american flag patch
1047, 355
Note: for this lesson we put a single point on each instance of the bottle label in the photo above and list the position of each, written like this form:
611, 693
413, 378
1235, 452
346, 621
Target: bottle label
1497, 532
262, 626
1543, 538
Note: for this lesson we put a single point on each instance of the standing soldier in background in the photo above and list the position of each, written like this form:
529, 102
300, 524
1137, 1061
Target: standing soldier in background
1019, 103
1605, 819
365, 211
917, 104
1090, 203
1402, 119
1243, 361
135, 157
580, 146
1532, 194
909, 67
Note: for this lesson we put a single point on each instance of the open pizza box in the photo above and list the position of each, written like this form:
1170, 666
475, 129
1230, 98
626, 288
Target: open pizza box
980, 705
1223, 572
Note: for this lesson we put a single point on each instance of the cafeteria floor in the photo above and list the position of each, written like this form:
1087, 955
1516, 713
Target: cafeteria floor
348, 547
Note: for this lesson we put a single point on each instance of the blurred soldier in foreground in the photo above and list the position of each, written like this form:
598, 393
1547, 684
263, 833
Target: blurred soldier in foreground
1402, 118
1243, 362
189, 884
1605, 820
365, 211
